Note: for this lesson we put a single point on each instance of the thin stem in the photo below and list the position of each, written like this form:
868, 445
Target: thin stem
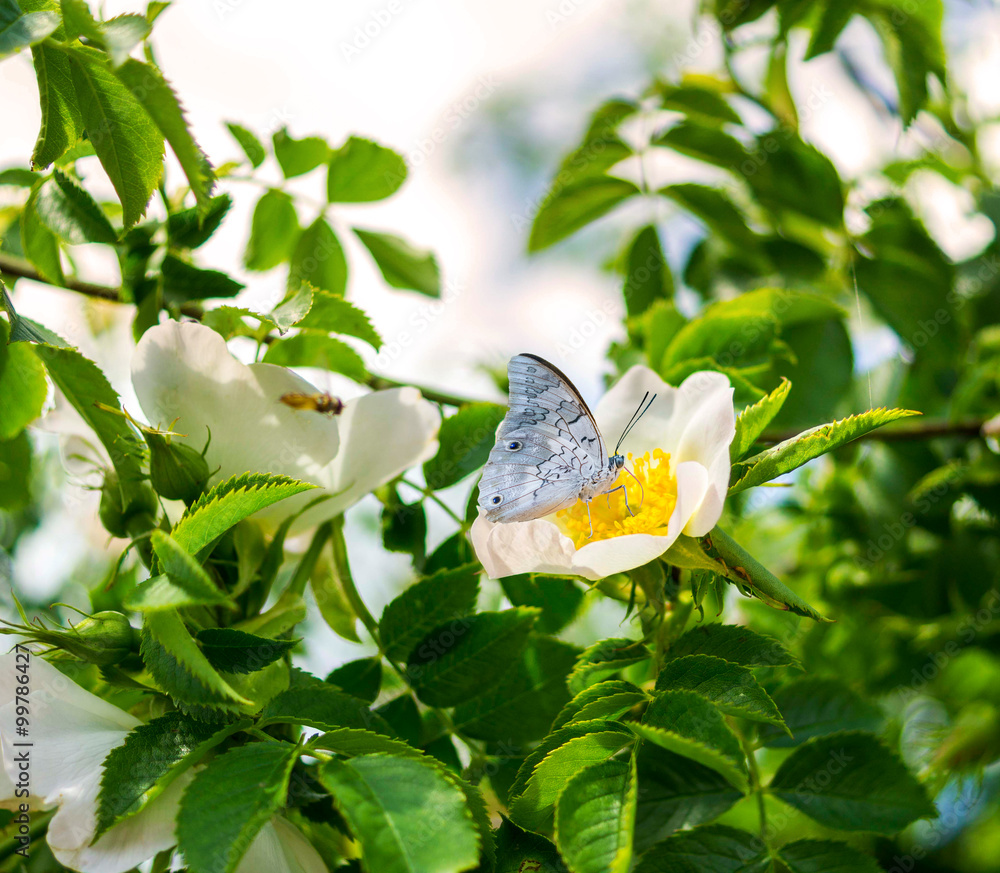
342, 570
430, 495
308, 562
755, 786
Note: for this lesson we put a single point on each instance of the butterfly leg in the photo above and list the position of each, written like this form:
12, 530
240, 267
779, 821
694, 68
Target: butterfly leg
623, 489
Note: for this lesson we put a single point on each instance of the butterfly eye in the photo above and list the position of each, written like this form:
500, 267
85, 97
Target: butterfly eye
514, 445
497, 500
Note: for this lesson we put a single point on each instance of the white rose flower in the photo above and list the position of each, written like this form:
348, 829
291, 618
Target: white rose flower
680, 454
185, 377
71, 732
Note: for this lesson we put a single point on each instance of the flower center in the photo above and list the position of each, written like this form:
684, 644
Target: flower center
652, 505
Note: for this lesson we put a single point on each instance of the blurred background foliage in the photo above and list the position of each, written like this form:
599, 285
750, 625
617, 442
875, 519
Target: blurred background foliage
738, 245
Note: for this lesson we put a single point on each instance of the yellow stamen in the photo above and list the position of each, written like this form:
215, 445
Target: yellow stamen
652, 511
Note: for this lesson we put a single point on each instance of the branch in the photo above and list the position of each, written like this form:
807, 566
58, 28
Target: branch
923, 430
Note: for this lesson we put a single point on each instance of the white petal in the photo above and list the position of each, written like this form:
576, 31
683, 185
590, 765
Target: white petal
383, 434
280, 847
125, 845
521, 547
184, 371
616, 408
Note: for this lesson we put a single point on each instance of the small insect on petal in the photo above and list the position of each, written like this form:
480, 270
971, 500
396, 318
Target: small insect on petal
323, 403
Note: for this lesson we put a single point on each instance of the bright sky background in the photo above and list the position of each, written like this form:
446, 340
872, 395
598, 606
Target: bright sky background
506, 89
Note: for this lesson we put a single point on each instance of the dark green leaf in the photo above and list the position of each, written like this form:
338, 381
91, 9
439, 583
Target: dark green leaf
570, 207
519, 851
15, 472
361, 171
734, 643
229, 802
404, 528
402, 265
520, 707
826, 856
127, 142
701, 103
716, 210
462, 659
317, 350
332, 314
595, 817
833, 18
708, 144
732, 688
362, 678
814, 706
647, 274
70, 212
557, 597
603, 659
183, 282
323, 707
319, 260
18, 177
248, 142
851, 781
449, 595
465, 440
605, 700
235, 651
190, 228
392, 826
708, 849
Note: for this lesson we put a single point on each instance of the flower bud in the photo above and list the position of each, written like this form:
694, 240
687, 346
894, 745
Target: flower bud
177, 471
104, 638
124, 521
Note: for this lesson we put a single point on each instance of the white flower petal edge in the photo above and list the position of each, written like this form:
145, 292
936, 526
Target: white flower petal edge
184, 371
72, 732
694, 422
280, 847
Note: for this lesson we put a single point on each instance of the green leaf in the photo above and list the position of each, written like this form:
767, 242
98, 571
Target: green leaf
40, 244
361, 171
704, 143
787, 174
22, 386
318, 259
127, 142
647, 274
413, 614
732, 688
464, 441
558, 597
603, 659
701, 103
123, 33
793, 453
19, 29
404, 527
826, 856
463, 658
151, 758
519, 851
686, 723
323, 707
708, 849
332, 314
18, 177
317, 350
87, 389
361, 678
520, 707
183, 282
228, 503
297, 157
571, 207
852, 782
595, 817
185, 582
750, 423
158, 98
676, 793
61, 120
229, 802
248, 142
190, 228
734, 643
79, 21
741, 568
235, 651
833, 18
70, 212
402, 265
15, 472
814, 706
546, 774
392, 826
178, 665
716, 210
357, 741
606, 700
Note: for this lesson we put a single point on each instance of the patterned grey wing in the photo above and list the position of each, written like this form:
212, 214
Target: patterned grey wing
543, 399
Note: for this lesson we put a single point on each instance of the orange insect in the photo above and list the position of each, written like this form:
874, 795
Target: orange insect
324, 403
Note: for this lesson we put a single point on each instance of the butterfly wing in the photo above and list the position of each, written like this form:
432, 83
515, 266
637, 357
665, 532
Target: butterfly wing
548, 446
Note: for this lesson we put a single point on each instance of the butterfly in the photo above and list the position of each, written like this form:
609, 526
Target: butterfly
549, 453
326, 404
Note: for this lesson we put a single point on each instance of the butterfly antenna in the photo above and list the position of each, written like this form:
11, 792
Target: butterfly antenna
634, 420
642, 491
